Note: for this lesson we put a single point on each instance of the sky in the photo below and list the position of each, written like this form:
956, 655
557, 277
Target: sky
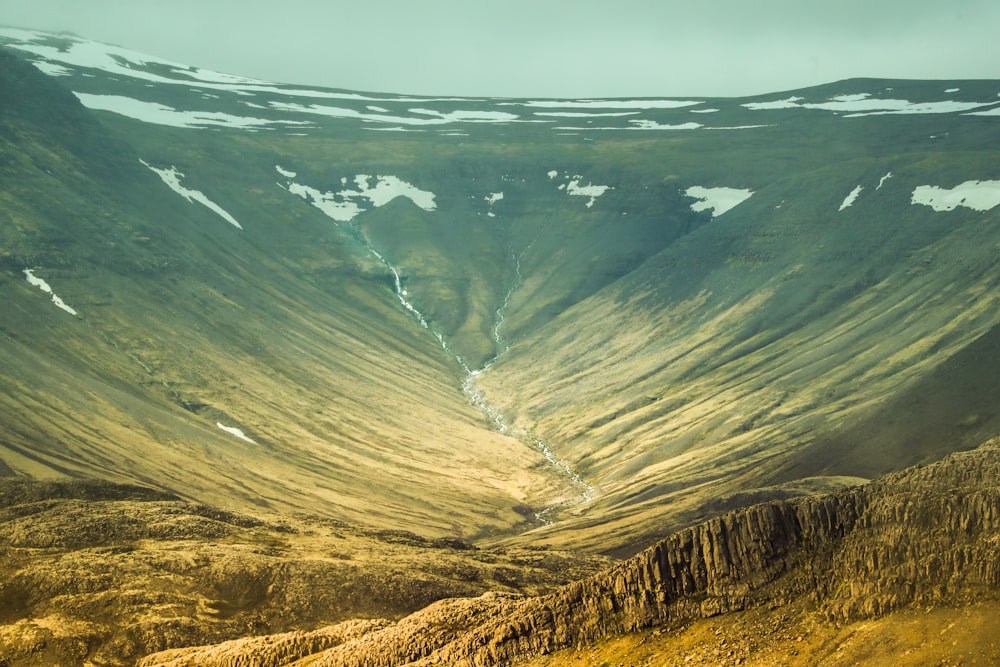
546, 48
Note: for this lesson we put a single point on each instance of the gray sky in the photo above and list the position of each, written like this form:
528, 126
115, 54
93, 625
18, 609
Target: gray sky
552, 48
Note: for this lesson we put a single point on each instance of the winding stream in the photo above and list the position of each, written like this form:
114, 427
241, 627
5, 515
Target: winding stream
469, 385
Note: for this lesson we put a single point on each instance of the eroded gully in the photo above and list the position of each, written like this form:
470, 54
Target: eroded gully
470, 386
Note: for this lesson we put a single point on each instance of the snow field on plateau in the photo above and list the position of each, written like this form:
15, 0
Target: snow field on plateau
160, 114
863, 104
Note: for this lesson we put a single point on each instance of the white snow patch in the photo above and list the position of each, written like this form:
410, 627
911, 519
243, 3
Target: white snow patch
862, 104
552, 174
977, 195
882, 180
172, 178
387, 188
704, 110
952, 90
376, 109
737, 127
995, 111
285, 172
584, 114
653, 125
159, 114
607, 104
788, 103
493, 198
719, 200
593, 191
232, 430
333, 204
467, 116
342, 207
44, 286
850, 198
423, 116
51, 69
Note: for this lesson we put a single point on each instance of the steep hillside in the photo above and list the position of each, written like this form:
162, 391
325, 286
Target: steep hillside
585, 323
145, 338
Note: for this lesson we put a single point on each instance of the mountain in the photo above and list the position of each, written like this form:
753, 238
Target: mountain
578, 325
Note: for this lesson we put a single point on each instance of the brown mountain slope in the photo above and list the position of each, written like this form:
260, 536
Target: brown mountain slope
925, 536
92, 572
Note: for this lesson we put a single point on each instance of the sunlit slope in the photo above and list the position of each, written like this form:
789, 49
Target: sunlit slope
690, 303
742, 356
184, 323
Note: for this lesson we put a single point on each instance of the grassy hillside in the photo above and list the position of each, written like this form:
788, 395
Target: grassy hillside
480, 317
185, 322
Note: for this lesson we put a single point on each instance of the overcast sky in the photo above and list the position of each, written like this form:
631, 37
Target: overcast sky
552, 48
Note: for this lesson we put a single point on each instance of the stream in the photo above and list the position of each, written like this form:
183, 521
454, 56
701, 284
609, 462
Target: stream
477, 396
342, 213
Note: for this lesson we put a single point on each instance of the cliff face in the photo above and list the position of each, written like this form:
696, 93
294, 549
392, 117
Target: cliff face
925, 535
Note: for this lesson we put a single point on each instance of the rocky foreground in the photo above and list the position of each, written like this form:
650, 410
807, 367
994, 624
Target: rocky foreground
920, 539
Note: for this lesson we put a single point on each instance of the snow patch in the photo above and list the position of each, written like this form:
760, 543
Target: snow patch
653, 125
343, 207
788, 103
719, 200
51, 69
607, 104
232, 430
44, 286
172, 178
882, 180
862, 104
995, 111
593, 191
285, 172
160, 114
493, 198
584, 114
850, 198
467, 116
574, 188
977, 195
423, 116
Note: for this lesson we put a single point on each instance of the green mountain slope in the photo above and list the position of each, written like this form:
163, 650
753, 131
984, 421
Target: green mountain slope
600, 320
184, 323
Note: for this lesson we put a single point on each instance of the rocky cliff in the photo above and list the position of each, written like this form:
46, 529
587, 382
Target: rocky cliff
927, 535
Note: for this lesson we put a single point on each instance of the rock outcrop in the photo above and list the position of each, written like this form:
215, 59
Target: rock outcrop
926, 535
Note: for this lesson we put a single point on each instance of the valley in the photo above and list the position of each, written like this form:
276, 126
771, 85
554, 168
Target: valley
415, 349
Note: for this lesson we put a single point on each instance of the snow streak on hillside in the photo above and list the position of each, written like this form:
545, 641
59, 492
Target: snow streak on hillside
45, 287
172, 178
